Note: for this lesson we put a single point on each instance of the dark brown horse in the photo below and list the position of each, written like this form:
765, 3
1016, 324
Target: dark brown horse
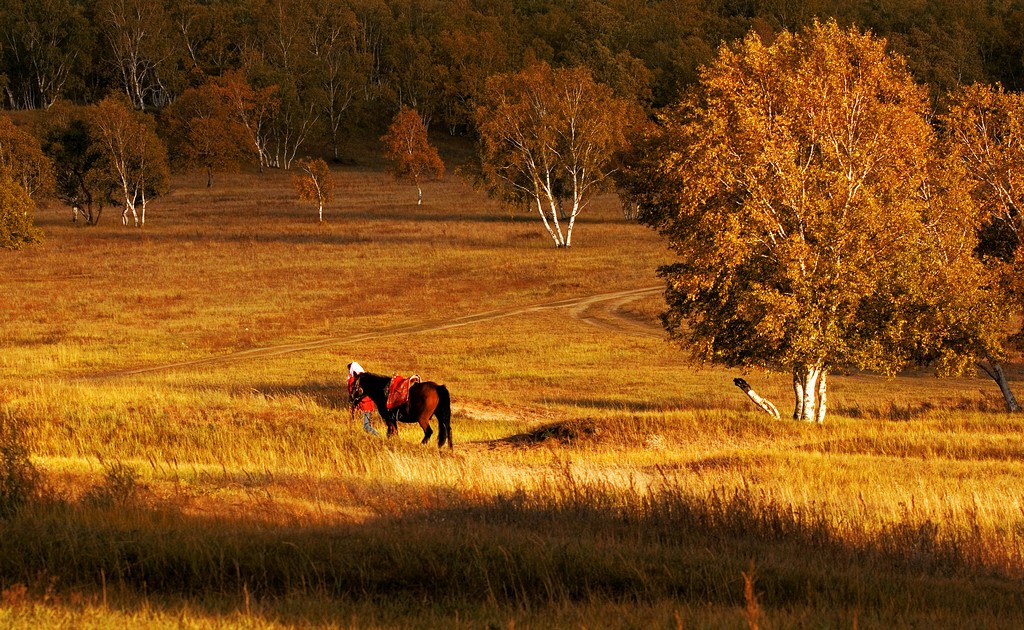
425, 399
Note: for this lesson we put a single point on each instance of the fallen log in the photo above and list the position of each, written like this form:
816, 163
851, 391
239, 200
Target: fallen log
762, 403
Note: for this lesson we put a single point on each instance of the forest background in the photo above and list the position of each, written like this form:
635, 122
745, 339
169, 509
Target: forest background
339, 64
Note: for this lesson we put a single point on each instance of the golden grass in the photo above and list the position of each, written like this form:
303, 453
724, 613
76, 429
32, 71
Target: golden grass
599, 479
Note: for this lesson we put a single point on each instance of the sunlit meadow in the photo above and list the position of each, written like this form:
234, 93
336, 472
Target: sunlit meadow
178, 391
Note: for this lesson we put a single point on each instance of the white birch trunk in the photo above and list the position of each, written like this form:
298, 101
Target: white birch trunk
762, 403
572, 220
798, 393
129, 206
544, 218
553, 209
809, 386
143, 204
819, 413
810, 390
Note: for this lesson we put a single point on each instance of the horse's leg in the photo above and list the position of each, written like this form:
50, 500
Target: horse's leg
427, 431
443, 413
430, 400
421, 413
415, 409
433, 407
392, 427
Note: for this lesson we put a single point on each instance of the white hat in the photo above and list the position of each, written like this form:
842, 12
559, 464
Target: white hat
354, 368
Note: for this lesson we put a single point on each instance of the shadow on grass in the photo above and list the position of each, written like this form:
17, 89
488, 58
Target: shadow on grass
574, 543
732, 403
326, 395
895, 412
562, 432
603, 404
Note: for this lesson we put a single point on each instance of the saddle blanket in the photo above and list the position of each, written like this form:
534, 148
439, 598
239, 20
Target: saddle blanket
398, 390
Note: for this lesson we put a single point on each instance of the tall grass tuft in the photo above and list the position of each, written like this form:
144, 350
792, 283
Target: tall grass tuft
19, 478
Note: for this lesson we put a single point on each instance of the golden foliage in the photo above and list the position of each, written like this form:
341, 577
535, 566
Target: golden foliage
22, 158
17, 212
548, 135
313, 182
409, 151
205, 131
794, 199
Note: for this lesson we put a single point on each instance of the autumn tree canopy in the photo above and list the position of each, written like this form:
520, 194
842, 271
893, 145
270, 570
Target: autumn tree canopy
25, 173
547, 137
22, 159
205, 131
17, 215
136, 159
409, 152
80, 164
313, 182
984, 132
794, 186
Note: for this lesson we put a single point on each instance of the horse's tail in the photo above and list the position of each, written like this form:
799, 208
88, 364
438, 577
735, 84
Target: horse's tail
444, 417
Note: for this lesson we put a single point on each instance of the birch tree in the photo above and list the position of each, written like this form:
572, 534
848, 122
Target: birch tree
340, 69
984, 131
136, 157
254, 108
791, 184
409, 151
48, 44
280, 57
209, 33
136, 34
313, 183
548, 135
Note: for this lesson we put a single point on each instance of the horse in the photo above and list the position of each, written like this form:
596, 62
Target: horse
426, 399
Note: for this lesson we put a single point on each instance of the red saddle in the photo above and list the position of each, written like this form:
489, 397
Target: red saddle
398, 390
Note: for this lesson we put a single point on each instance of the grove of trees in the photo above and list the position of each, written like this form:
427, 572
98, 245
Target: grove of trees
335, 61
840, 180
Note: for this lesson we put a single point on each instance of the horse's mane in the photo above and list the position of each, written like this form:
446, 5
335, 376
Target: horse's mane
376, 379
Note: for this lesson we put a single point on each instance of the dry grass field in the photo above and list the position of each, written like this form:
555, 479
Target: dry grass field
178, 391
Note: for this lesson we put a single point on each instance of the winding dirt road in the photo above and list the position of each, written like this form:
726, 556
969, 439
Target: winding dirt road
602, 310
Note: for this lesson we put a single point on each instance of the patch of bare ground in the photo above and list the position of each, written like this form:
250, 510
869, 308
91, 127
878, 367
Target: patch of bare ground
618, 315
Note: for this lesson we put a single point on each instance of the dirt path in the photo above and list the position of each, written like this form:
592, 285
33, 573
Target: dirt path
601, 310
